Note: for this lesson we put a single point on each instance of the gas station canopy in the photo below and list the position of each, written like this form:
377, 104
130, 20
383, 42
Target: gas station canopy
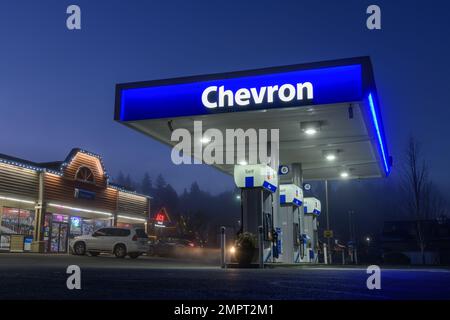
327, 113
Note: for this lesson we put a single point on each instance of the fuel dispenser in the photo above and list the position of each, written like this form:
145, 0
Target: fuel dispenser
311, 207
258, 183
291, 199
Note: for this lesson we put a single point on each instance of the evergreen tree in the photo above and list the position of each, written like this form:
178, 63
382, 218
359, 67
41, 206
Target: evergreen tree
195, 189
146, 185
160, 182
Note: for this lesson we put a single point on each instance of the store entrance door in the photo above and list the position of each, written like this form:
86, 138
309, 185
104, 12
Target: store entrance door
59, 237
56, 232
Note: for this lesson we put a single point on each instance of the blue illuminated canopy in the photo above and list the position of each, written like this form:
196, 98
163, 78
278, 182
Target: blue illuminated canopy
335, 82
329, 85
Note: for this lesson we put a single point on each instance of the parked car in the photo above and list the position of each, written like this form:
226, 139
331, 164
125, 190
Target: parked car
171, 247
118, 241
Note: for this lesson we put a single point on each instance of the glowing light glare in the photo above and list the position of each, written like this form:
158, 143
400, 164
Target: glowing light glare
205, 140
243, 163
368, 239
377, 128
160, 217
233, 250
344, 174
17, 200
160, 225
311, 131
330, 157
131, 218
238, 197
78, 209
76, 221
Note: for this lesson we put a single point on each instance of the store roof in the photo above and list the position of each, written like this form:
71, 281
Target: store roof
49, 166
56, 167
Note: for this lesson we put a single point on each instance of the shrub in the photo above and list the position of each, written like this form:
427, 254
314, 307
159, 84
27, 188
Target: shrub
245, 248
246, 240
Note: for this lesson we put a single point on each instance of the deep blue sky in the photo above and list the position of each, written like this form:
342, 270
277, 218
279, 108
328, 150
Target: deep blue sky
57, 86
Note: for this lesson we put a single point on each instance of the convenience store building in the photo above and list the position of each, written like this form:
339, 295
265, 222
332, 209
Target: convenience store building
43, 205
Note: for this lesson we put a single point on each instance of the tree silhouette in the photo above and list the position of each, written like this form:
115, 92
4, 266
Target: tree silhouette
196, 213
146, 185
421, 199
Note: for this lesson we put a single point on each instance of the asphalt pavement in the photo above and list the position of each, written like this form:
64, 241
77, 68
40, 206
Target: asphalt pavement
37, 276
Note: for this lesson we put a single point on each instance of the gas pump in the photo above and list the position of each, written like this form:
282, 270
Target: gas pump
312, 207
291, 199
257, 183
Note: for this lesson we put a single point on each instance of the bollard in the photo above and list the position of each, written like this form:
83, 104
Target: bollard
325, 253
261, 247
222, 248
343, 257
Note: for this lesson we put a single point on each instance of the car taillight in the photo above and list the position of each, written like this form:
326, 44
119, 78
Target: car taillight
134, 238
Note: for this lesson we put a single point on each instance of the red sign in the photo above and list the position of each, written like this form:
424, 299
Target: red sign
162, 216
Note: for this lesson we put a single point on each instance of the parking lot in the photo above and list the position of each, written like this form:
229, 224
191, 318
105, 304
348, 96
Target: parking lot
37, 276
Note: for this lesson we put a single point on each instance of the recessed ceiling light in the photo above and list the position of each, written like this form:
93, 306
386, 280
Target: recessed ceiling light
344, 174
243, 163
205, 140
311, 131
330, 157
310, 127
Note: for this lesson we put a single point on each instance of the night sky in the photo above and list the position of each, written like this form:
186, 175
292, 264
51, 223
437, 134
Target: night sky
57, 86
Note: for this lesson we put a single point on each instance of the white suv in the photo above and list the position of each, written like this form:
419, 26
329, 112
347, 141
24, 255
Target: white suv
119, 241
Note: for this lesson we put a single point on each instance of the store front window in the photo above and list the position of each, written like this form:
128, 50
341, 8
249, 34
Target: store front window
59, 229
102, 223
83, 226
18, 223
75, 227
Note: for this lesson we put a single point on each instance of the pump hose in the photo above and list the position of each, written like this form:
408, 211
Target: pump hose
268, 256
298, 256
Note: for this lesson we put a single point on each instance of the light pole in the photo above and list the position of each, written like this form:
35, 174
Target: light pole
328, 221
352, 235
